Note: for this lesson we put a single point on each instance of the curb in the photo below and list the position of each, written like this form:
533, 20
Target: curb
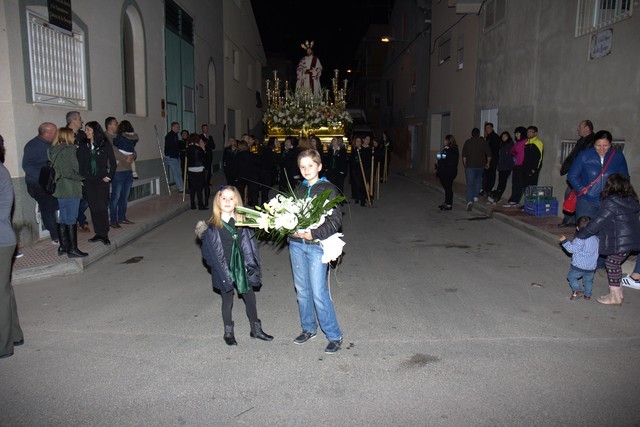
77, 265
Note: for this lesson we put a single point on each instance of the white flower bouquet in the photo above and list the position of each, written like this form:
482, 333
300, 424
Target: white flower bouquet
284, 215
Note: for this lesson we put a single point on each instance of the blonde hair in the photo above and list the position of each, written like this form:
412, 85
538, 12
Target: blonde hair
216, 217
312, 154
65, 136
303, 143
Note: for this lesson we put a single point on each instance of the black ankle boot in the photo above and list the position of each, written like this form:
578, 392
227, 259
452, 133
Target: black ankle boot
62, 239
257, 332
229, 338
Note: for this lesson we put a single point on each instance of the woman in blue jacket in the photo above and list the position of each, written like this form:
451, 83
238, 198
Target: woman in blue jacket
588, 166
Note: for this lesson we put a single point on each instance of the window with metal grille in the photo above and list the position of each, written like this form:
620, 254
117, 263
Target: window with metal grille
57, 64
566, 146
494, 13
596, 14
178, 21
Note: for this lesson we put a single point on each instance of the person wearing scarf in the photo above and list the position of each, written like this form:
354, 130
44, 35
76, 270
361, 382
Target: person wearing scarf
232, 256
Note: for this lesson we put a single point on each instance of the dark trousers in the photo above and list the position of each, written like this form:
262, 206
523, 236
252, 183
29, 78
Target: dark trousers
446, 179
97, 193
196, 188
517, 185
252, 198
10, 330
249, 299
503, 177
489, 176
337, 179
48, 207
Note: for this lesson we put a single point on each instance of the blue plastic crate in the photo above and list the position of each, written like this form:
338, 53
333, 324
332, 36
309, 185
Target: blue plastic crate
541, 208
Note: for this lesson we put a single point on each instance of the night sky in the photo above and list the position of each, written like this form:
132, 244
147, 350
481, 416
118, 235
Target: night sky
336, 27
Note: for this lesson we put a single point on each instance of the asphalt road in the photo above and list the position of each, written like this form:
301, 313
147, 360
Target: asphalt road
450, 319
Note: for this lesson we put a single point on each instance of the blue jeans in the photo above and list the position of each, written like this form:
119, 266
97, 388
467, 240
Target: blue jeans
574, 277
474, 182
68, 210
176, 171
120, 189
310, 280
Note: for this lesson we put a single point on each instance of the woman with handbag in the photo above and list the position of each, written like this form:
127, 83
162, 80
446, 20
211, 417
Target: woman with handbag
589, 172
68, 191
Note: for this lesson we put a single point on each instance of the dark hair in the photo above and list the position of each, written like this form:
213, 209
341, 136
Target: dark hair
2, 149
108, 120
533, 128
509, 139
522, 131
452, 140
98, 133
618, 185
475, 132
193, 138
488, 124
125, 126
582, 222
603, 134
588, 124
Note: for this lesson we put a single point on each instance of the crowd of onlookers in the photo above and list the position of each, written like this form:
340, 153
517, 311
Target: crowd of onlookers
606, 211
257, 170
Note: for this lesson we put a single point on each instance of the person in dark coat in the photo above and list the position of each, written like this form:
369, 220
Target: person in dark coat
489, 174
34, 158
505, 166
247, 166
586, 140
356, 170
336, 163
447, 170
617, 225
98, 166
267, 172
229, 161
232, 255
196, 170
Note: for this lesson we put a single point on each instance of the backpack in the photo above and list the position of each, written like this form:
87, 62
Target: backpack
47, 177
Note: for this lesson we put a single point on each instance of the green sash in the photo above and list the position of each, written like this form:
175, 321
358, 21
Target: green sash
236, 262
93, 167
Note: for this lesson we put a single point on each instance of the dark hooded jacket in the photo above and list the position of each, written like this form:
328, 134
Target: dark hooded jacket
213, 253
617, 225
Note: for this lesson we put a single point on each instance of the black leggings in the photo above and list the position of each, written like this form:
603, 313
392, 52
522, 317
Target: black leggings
249, 305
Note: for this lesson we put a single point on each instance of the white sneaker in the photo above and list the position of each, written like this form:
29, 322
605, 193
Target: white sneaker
475, 199
469, 204
491, 199
509, 205
630, 282
135, 175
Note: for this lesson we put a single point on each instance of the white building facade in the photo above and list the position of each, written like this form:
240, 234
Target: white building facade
147, 61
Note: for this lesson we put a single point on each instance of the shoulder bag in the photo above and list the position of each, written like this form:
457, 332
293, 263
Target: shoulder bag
570, 202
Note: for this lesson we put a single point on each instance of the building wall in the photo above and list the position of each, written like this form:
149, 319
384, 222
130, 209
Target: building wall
241, 34
404, 85
102, 23
452, 90
534, 69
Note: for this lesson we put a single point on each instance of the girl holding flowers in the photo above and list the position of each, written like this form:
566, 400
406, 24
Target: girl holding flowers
232, 255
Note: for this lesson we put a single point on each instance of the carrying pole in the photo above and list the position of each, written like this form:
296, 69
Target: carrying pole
166, 177
384, 175
373, 160
364, 177
378, 182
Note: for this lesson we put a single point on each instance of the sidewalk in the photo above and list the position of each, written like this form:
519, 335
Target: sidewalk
544, 228
41, 260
